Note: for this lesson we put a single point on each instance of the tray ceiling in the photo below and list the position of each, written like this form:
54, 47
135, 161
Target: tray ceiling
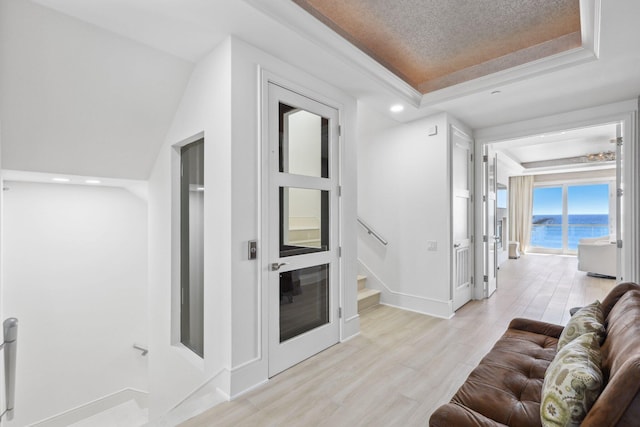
434, 44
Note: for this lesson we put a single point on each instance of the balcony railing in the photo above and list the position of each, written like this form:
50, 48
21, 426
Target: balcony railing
549, 236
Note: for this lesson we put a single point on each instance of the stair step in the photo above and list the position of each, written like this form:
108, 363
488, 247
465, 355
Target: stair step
362, 281
367, 298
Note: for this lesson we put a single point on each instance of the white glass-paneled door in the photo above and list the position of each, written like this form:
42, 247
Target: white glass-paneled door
302, 248
490, 238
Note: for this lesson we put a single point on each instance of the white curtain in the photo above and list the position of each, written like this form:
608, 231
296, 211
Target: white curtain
520, 209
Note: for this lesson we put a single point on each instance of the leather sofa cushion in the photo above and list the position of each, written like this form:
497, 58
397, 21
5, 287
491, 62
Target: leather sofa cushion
505, 388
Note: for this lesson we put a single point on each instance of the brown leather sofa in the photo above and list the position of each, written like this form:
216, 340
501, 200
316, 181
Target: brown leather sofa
505, 388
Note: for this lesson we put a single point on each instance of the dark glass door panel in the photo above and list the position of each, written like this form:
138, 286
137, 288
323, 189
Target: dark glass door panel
304, 300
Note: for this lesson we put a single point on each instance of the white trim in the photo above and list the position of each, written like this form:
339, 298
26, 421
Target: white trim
416, 303
594, 116
247, 390
404, 307
305, 25
454, 130
349, 327
175, 319
623, 111
94, 407
267, 78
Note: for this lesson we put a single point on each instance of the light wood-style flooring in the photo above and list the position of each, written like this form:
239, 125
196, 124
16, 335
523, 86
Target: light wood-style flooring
404, 365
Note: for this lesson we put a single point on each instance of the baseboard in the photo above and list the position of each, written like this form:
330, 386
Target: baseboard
248, 376
350, 328
416, 303
95, 406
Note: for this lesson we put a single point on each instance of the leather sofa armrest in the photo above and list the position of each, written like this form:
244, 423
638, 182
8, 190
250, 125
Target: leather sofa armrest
537, 327
460, 416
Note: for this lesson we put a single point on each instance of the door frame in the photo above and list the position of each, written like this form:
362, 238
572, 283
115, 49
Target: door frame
344, 297
453, 129
490, 246
625, 112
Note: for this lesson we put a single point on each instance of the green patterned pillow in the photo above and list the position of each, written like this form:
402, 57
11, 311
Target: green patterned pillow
588, 319
572, 383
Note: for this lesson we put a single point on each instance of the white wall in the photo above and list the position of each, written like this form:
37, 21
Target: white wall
75, 277
223, 101
403, 193
175, 371
94, 95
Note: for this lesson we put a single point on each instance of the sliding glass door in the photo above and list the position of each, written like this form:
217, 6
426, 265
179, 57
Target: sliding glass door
565, 213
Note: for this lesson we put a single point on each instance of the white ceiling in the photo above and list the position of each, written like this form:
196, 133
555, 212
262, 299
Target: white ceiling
569, 145
140, 54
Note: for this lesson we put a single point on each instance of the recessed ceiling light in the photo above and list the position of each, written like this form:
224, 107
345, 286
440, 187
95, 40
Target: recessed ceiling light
396, 108
61, 179
93, 181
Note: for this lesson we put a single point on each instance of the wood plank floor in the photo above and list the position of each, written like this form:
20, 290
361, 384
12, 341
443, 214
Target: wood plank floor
404, 365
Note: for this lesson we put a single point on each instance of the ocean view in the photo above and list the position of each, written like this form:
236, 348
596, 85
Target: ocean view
546, 231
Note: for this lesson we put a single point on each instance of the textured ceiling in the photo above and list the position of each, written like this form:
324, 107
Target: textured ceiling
433, 44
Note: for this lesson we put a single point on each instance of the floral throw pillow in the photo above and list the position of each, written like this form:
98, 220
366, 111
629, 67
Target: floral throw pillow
572, 383
588, 319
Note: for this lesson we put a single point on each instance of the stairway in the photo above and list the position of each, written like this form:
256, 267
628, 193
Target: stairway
366, 297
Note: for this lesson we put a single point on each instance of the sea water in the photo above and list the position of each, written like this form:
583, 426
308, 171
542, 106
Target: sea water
546, 231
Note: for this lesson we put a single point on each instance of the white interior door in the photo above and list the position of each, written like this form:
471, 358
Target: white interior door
462, 184
303, 211
490, 239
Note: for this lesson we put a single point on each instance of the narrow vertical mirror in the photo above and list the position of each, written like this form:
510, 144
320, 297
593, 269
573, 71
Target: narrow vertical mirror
192, 247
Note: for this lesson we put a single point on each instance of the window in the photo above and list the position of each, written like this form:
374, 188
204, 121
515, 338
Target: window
564, 214
587, 212
546, 231
192, 247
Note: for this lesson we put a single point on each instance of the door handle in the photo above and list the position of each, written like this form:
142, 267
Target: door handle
276, 266
457, 245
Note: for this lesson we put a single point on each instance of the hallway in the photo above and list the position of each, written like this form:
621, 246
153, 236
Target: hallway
404, 365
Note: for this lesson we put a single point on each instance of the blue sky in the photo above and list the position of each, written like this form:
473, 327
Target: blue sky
581, 199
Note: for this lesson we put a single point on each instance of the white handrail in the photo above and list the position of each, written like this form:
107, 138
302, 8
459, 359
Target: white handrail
9, 345
372, 232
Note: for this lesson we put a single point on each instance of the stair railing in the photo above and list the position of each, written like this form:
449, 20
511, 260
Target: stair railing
372, 232
9, 346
